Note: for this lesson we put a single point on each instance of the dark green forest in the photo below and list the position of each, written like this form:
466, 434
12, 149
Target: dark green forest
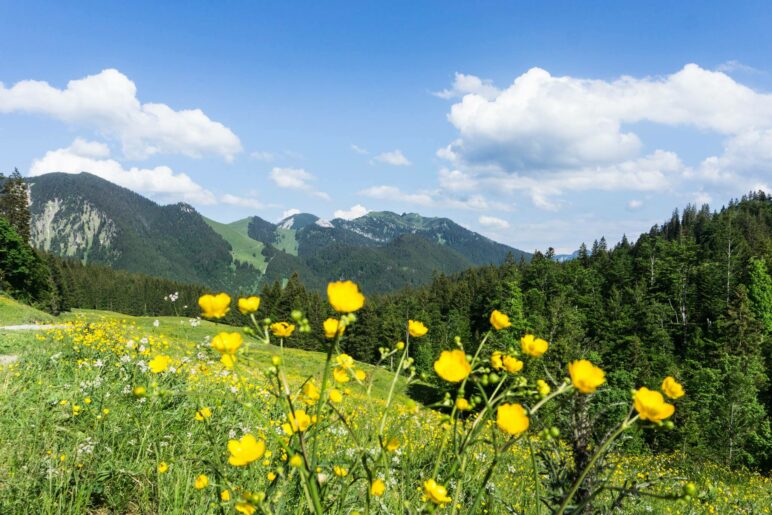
691, 298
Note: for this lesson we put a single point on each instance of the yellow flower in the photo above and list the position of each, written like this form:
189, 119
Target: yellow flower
227, 343
340, 375
497, 361
543, 387
392, 444
228, 360
201, 482
585, 376
249, 305
360, 375
245, 451
513, 365
300, 421
436, 492
345, 297
416, 328
377, 488
225, 495
271, 476
344, 361
335, 395
332, 328
310, 392
463, 404
87, 400
296, 461
159, 363
340, 471
533, 346
203, 414
499, 320
512, 418
452, 366
282, 329
245, 508
163, 467
651, 405
214, 306
672, 388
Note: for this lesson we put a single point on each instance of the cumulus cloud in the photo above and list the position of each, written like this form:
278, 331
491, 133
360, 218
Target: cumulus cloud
296, 179
548, 134
394, 158
493, 223
349, 214
289, 212
395, 194
94, 157
233, 200
469, 84
107, 102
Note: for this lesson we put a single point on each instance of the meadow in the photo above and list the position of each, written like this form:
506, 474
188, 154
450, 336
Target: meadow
106, 413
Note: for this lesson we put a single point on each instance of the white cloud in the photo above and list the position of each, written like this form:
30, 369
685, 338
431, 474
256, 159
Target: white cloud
701, 198
107, 102
359, 150
394, 158
234, 200
296, 179
456, 180
349, 214
94, 157
493, 222
288, 213
543, 122
466, 84
263, 156
635, 204
735, 66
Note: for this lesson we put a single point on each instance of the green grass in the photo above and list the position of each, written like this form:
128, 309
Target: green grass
243, 248
16, 313
286, 241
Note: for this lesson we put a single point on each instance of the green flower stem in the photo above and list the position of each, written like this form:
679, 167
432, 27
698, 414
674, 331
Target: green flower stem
322, 390
563, 388
626, 423
536, 480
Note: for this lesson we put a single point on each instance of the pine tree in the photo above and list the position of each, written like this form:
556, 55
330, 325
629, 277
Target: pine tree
14, 204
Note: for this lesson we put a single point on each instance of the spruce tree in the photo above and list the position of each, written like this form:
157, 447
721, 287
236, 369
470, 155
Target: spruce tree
14, 204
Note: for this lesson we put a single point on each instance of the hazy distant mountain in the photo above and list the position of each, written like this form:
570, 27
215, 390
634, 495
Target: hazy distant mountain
91, 219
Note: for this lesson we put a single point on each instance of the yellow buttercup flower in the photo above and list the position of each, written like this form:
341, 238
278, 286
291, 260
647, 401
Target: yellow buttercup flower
227, 343
336, 396
360, 375
214, 306
341, 375
585, 376
436, 493
499, 320
452, 366
201, 482
332, 328
245, 451
225, 495
159, 363
296, 461
163, 467
513, 365
651, 405
533, 346
139, 391
300, 421
344, 361
543, 387
672, 388
249, 305
463, 404
497, 360
228, 360
203, 414
377, 488
310, 392
282, 329
512, 418
416, 329
345, 297
340, 471
392, 444
245, 508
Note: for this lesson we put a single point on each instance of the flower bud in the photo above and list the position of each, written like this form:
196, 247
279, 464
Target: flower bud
248, 330
139, 391
296, 315
276, 360
400, 345
554, 431
690, 489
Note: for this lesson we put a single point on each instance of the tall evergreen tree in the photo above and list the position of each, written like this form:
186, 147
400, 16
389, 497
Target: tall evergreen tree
14, 203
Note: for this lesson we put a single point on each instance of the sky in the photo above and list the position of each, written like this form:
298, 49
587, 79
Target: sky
538, 124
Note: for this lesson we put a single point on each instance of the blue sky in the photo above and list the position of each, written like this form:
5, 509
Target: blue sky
262, 108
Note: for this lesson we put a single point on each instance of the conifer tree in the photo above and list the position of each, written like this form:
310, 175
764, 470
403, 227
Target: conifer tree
14, 204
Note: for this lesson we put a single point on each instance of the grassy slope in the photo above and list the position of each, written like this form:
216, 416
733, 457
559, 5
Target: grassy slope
13, 313
286, 241
243, 248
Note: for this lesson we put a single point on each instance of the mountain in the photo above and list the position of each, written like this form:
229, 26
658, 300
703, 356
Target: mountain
90, 219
